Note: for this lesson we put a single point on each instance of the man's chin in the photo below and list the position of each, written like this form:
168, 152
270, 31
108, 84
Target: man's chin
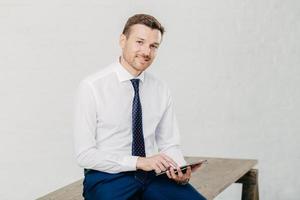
141, 67
142, 63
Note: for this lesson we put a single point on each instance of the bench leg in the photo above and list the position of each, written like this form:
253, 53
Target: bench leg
250, 185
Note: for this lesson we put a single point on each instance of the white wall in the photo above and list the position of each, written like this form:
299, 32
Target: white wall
233, 67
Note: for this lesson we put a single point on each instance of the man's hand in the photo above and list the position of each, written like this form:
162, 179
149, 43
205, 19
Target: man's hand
158, 163
180, 177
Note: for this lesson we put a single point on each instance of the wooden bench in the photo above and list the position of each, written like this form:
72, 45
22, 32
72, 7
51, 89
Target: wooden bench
210, 180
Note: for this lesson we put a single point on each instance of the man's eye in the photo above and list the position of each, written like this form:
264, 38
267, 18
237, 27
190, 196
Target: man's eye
140, 42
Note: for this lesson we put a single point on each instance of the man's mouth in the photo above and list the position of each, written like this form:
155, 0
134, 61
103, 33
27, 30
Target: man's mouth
143, 59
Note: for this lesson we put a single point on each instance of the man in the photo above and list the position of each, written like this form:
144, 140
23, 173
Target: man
122, 113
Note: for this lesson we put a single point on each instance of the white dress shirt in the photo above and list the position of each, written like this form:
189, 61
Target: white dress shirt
102, 126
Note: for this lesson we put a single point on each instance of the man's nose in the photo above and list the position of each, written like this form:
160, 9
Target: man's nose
146, 50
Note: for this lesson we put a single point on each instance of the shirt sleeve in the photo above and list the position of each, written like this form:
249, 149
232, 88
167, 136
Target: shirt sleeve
85, 127
167, 134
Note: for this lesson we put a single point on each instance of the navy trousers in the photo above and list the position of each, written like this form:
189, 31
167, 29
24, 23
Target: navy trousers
137, 185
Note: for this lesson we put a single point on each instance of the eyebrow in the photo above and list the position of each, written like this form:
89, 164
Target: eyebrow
156, 43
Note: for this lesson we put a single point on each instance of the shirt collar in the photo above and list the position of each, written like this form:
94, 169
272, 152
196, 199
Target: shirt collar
124, 75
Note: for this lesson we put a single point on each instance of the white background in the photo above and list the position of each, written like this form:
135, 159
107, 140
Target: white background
233, 68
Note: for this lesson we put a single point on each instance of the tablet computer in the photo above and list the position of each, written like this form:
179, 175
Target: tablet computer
184, 168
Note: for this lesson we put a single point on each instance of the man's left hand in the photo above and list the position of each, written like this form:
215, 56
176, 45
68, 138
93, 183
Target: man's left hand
180, 177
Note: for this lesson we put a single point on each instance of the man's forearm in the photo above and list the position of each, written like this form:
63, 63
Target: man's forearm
95, 159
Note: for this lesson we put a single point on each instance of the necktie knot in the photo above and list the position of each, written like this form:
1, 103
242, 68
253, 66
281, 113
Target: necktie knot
135, 84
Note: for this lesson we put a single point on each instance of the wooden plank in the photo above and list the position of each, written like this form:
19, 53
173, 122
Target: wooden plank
210, 180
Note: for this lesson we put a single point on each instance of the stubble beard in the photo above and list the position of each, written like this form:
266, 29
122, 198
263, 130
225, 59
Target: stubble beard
135, 63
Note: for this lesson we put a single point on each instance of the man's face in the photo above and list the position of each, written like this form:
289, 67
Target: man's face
140, 47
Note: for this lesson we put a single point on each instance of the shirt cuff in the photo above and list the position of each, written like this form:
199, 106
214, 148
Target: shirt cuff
130, 163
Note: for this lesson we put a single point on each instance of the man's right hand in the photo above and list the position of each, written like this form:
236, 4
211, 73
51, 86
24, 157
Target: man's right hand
158, 163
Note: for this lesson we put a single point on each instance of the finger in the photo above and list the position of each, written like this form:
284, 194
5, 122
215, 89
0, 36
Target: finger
168, 174
179, 172
161, 166
173, 175
157, 171
165, 163
156, 167
169, 160
188, 173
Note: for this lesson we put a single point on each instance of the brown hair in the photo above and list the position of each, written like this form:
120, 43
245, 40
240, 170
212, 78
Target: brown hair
144, 19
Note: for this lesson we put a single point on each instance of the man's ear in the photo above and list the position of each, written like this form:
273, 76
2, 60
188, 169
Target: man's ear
122, 41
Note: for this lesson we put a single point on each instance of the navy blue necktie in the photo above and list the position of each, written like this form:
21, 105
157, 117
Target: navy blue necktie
138, 144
